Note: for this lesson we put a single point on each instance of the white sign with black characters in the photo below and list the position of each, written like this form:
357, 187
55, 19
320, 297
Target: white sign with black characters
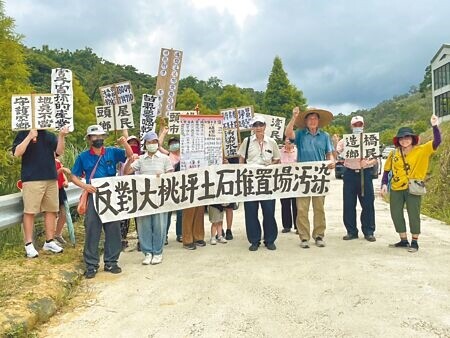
124, 116
174, 119
229, 118
230, 143
365, 145
105, 117
44, 111
62, 89
245, 115
149, 111
123, 197
274, 126
21, 113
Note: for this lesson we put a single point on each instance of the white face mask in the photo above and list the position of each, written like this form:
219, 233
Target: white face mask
357, 130
152, 147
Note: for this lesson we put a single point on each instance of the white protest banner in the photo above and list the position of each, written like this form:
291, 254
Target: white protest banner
105, 117
21, 112
149, 110
108, 94
245, 115
365, 145
122, 197
174, 119
229, 118
61, 88
44, 111
274, 126
124, 116
231, 141
200, 140
168, 77
124, 93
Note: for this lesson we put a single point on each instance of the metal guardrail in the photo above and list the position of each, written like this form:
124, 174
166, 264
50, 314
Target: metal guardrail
11, 206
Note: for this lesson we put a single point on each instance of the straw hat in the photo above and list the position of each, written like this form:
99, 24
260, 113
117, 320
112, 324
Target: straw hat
325, 117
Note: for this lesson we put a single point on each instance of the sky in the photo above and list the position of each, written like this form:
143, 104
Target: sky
343, 55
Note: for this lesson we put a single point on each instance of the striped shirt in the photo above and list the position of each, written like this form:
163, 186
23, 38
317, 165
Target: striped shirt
156, 164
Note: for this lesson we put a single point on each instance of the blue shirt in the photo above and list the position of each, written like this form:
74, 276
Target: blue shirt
312, 147
85, 163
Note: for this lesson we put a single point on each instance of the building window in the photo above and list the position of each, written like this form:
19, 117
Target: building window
442, 76
442, 104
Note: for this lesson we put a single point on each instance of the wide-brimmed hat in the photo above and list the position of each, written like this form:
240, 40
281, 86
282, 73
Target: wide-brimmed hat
405, 131
95, 130
325, 117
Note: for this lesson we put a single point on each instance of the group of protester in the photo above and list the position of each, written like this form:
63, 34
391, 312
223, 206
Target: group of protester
306, 144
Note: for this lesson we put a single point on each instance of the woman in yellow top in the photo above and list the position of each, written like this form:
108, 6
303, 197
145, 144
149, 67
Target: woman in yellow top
408, 161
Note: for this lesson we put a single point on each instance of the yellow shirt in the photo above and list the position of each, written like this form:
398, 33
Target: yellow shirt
416, 161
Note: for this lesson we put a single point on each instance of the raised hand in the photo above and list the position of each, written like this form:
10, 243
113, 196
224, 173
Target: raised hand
434, 120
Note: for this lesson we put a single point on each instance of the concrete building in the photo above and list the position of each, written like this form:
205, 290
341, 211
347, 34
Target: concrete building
440, 81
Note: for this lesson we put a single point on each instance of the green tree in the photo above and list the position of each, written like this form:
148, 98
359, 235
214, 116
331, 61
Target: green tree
233, 97
13, 80
188, 99
281, 96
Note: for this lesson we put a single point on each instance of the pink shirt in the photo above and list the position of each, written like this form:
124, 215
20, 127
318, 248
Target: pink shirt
288, 156
351, 163
174, 159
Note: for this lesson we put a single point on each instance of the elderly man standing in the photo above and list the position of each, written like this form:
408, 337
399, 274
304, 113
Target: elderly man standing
313, 144
262, 150
97, 162
353, 190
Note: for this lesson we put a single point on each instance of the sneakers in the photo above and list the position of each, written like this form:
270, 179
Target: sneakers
113, 268
286, 230
319, 242
228, 235
167, 240
221, 240
349, 237
190, 246
180, 239
90, 273
200, 242
31, 252
254, 247
53, 247
304, 244
213, 241
402, 244
147, 259
414, 247
271, 246
157, 259
60, 240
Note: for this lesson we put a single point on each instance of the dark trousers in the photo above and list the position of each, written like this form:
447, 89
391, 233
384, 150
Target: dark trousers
288, 212
93, 228
178, 224
253, 226
352, 193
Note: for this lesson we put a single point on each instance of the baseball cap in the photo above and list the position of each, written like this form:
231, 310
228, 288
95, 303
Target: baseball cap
95, 130
257, 118
356, 119
150, 136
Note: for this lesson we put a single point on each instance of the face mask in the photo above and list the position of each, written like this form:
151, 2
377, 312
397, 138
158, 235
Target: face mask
152, 147
97, 143
135, 150
174, 147
358, 130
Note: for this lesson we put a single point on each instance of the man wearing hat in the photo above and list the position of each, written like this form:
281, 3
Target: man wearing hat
97, 162
151, 228
261, 150
356, 167
313, 144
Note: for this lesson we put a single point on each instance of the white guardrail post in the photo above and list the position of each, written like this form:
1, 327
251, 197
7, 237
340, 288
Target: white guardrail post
11, 206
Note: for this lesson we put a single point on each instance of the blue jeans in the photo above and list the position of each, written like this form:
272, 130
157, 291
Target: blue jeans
178, 228
253, 226
352, 192
152, 232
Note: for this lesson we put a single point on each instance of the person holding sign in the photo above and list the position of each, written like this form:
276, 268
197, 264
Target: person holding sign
151, 228
353, 189
313, 144
408, 162
261, 150
99, 161
39, 183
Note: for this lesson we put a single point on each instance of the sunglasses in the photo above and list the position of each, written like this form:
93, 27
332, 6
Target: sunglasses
258, 124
